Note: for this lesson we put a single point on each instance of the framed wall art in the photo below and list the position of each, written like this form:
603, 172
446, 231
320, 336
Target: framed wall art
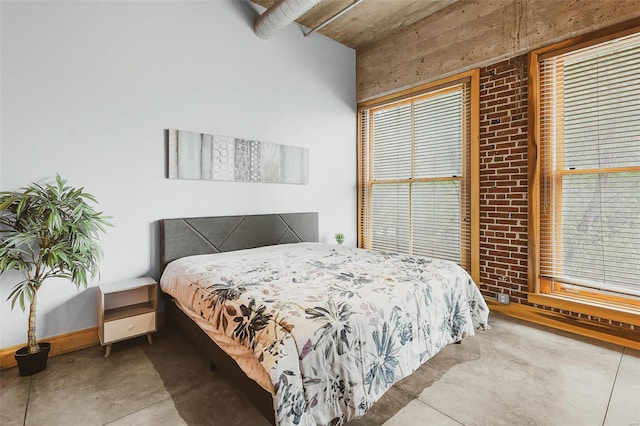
200, 156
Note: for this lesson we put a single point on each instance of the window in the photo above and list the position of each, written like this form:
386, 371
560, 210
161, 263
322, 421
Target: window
585, 195
418, 172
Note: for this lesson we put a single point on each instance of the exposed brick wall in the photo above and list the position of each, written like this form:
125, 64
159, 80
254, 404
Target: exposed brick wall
503, 185
503, 179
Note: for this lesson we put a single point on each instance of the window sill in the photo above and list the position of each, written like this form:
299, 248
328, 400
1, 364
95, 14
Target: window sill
626, 315
595, 330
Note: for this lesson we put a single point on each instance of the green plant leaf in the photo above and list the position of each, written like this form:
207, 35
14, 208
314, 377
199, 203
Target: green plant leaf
49, 230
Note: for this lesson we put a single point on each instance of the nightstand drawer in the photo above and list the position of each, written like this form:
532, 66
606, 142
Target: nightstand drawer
129, 327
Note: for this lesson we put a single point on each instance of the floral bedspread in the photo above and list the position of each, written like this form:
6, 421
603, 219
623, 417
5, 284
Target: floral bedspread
334, 327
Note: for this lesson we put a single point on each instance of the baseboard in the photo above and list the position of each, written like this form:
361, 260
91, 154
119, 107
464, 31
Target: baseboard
63, 343
60, 344
603, 332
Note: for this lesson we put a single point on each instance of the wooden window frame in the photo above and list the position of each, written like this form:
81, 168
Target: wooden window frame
544, 291
426, 90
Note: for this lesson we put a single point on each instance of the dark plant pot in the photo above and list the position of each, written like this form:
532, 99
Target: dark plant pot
30, 364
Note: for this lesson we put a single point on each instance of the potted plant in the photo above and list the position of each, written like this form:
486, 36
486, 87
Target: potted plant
339, 238
47, 231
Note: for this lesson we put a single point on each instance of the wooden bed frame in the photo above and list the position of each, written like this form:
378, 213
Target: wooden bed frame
204, 235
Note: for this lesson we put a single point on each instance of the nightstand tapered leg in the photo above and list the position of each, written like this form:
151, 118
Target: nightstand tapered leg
108, 352
150, 339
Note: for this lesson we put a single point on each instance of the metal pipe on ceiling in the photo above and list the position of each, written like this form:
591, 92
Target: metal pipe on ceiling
279, 15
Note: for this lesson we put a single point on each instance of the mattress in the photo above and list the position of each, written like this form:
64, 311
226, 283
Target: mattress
333, 328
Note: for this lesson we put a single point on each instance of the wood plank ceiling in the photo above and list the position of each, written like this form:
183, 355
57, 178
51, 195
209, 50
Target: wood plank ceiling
369, 21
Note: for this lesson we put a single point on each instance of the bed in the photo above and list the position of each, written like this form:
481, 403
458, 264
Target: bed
312, 333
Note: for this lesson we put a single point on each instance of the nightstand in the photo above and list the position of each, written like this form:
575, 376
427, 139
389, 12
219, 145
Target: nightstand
127, 309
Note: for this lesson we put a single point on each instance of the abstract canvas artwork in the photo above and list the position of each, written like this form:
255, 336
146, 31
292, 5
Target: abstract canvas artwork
200, 156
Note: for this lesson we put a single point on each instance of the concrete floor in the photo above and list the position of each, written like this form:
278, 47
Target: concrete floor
513, 374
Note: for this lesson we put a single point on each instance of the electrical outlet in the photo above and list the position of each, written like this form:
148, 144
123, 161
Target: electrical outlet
503, 298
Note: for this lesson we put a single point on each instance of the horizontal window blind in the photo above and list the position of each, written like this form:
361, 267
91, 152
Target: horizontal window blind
589, 116
390, 217
392, 134
414, 165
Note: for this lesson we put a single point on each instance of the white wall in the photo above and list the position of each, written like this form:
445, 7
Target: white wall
87, 89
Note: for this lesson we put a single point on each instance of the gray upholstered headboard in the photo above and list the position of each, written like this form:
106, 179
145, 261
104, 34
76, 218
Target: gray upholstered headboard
203, 235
